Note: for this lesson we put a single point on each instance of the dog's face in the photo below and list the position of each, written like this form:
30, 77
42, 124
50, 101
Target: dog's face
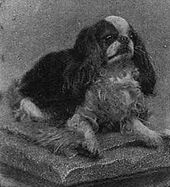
114, 36
112, 41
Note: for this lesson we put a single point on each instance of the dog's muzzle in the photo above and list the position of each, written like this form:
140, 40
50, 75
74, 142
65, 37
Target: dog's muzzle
121, 50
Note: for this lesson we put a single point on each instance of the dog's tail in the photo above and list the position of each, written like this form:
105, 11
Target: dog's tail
12, 94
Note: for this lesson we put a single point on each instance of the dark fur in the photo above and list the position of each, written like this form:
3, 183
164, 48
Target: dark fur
58, 82
141, 59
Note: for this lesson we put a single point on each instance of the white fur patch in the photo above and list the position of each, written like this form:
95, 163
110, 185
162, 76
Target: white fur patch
121, 24
112, 49
30, 108
123, 28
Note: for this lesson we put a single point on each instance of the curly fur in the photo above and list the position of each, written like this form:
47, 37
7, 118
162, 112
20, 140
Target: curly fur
68, 88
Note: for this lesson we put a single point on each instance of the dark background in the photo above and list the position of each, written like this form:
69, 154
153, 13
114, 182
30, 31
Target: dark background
30, 28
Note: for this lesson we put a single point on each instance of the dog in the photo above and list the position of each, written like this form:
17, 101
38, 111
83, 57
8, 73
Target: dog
102, 82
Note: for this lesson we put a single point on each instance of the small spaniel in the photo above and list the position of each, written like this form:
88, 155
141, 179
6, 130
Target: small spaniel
100, 83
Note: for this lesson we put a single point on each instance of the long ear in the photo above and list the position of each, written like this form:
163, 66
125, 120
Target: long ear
88, 59
86, 44
147, 77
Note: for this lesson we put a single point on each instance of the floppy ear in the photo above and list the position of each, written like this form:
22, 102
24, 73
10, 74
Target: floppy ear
86, 45
147, 77
88, 59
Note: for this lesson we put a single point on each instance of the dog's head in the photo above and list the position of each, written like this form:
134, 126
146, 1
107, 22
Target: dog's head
114, 36
110, 41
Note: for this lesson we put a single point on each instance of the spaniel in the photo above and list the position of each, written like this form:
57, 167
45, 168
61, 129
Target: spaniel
101, 83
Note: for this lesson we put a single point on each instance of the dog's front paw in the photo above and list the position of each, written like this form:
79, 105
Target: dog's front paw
150, 137
91, 145
154, 139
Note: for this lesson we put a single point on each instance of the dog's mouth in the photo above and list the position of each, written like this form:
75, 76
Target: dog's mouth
121, 51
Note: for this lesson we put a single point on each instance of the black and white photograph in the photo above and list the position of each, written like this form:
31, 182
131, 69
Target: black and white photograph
84, 93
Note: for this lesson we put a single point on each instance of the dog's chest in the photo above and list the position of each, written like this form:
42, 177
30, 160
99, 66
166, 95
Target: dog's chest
114, 95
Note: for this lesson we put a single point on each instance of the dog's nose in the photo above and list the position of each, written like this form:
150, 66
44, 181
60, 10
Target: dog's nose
123, 39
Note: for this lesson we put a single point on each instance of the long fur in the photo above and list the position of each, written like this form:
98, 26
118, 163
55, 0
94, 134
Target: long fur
59, 81
141, 59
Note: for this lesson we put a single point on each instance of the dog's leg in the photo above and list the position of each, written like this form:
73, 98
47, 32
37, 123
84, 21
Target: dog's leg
143, 133
165, 133
83, 126
28, 109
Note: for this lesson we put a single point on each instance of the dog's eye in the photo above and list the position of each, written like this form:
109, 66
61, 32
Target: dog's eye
131, 35
110, 37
